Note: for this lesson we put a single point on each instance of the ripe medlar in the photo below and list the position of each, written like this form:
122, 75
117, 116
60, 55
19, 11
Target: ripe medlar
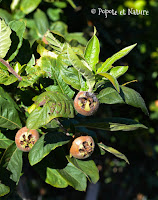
82, 147
25, 139
86, 103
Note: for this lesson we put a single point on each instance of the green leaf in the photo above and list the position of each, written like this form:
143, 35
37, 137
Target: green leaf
19, 28
113, 124
112, 79
69, 74
4, 189
12, 160
118, 71
74, 177
49, 65
92, 52
88, 167
41, 22
4, 141
81, 68
5, 40
79, 36
54, 39
54, 13
5, 15
127, 95
45, 144
53, 104
9, 117
5, 77
114, 152
27, 6
107, 64
55, 179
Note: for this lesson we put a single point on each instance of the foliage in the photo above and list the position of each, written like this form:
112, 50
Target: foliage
45, 66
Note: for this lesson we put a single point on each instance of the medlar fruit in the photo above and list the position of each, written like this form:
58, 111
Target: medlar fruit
86, 103
82, 147
25, 139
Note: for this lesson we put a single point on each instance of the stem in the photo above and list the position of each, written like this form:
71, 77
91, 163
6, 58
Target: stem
10, 69
62, 127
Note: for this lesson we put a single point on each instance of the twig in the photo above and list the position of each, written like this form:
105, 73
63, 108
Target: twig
11, 70
129, 82
62, 127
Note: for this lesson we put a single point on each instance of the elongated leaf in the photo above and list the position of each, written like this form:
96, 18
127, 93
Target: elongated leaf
45, 144
53, 104
48, 64
4, 189
27, 6
69, 74
41, 22
127, 95
113, 151
9, 117
112, 79
4, 141
5, 40
81, 68
92, 51
19, 28
113, 124
55, 179
107, 64
87, 167
74, 177
12, 160
118, 71
52, 39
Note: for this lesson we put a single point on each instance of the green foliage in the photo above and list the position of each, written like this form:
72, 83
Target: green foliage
45, 70
5, 40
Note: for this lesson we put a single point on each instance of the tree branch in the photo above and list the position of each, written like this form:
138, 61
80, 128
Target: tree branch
10, 69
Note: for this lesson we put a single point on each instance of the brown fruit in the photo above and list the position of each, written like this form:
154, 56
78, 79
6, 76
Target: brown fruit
86, 103
25, 139
82, 147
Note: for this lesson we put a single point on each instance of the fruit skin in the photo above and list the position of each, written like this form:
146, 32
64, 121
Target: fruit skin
86, 103
82, 147
25, 140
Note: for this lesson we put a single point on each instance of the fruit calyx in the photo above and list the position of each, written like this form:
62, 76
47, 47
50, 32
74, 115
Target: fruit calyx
82, 147
86, 103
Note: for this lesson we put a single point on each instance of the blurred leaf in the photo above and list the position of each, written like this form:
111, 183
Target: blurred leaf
45, 144
113, 151
81, 68
27, 6
92, 51
88, 167
118, 71
12, 160
112, 79
72, 3
19, 28
107, 64
59, 27
5, 40
76, 36
41, 22
127, 95
53, 104
4, 141
5, 15
54, 13
112, 124
14, 4
4, 189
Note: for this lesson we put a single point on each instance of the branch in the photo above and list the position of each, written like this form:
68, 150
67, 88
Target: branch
10, 69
